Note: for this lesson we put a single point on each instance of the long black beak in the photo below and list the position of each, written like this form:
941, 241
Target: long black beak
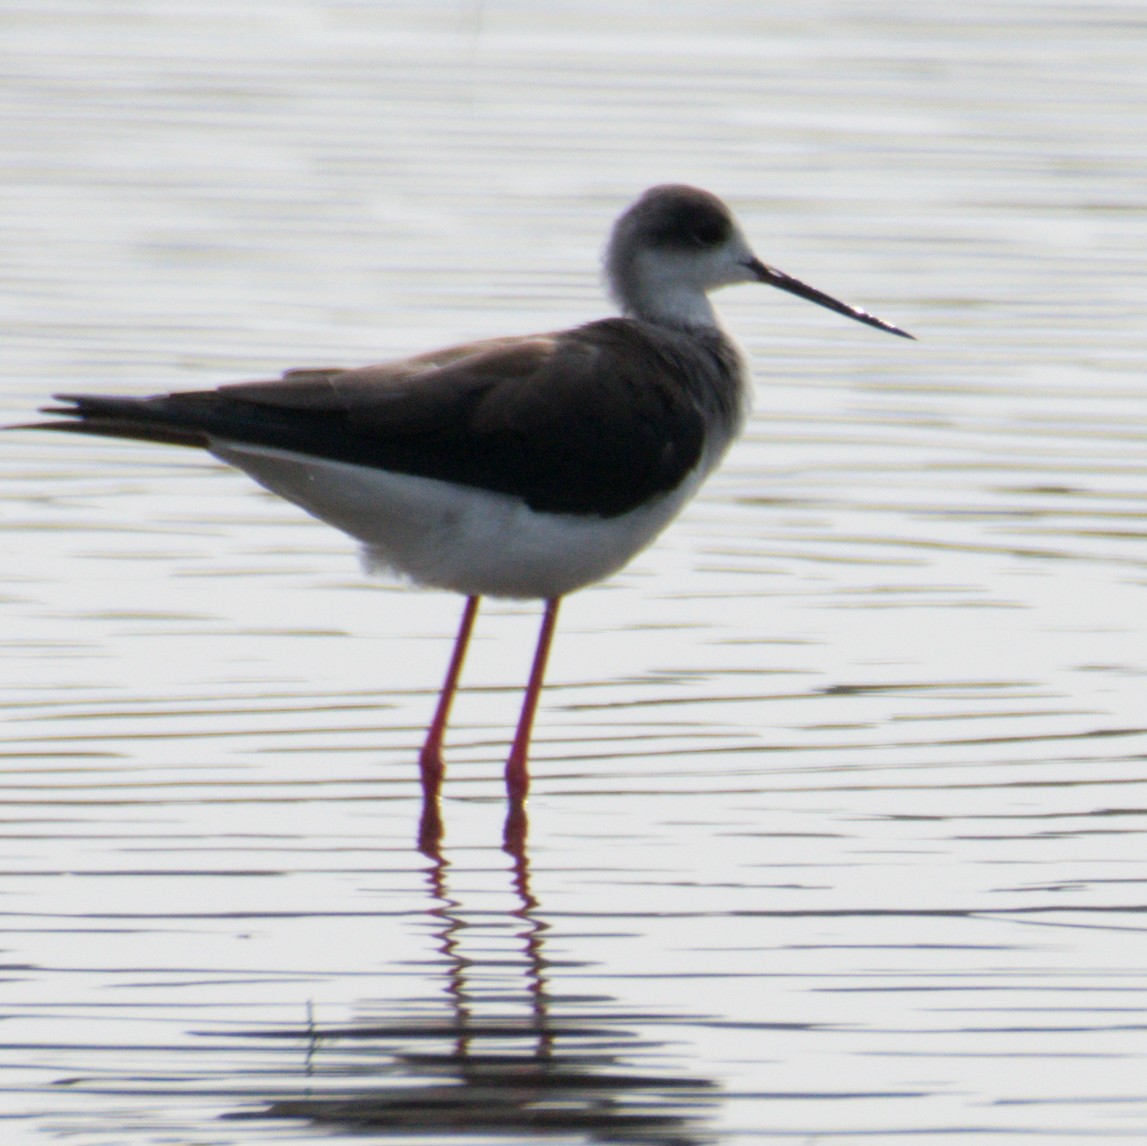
785, 282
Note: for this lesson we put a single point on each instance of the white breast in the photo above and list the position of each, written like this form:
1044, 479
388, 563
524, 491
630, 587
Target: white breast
455, 537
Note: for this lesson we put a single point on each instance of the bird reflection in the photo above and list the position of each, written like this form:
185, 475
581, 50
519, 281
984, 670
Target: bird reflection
500, 1053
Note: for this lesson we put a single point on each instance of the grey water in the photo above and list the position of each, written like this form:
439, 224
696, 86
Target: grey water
837, 827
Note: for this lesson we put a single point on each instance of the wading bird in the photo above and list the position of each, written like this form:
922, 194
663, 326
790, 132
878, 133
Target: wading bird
511, 467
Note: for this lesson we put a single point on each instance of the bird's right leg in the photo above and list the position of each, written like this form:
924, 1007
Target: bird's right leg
430, 759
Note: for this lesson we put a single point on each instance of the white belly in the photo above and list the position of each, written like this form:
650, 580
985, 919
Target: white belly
461, 538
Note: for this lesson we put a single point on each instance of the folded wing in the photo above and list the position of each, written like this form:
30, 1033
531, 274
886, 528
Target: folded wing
592, 421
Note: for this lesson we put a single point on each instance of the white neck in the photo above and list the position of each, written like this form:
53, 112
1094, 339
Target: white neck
681, 307
657, 291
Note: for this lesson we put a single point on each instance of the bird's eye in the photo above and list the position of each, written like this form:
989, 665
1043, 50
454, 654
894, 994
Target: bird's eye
688, 224
707, 232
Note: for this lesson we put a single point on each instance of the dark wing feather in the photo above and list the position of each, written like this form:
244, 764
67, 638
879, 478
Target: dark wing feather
592, 421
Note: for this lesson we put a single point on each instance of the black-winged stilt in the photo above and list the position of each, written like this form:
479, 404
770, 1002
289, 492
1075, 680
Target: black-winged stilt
514, 467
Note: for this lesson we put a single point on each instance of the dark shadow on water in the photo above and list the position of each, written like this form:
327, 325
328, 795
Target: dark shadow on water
500, 1053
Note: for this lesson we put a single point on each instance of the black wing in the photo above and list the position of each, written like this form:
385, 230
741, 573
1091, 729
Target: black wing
591, 421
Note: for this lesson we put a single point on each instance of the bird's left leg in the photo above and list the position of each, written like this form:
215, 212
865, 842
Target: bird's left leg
517, 773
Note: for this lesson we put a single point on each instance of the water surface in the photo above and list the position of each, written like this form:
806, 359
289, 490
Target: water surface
837, 820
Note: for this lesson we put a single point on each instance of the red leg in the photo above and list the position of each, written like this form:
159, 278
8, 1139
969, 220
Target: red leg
517, 776
430, 825
515, 829
430, 759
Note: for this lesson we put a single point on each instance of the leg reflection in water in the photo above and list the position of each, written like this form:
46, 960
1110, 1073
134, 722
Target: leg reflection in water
500, 1051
